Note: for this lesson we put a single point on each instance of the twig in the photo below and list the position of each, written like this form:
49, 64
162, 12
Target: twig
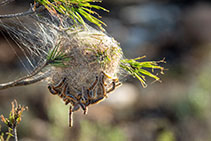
15, 134
25, 82
33, 73
28, 12
6, 2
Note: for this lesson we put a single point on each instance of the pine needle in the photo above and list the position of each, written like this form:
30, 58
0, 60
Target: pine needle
140, 69
75, 9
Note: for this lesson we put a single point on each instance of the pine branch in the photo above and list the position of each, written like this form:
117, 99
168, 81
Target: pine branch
4, 2
31, 11
25, 82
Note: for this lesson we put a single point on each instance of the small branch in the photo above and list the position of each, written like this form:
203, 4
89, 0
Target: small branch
15, 134
24, 82
33, 73
21, 14
6, 2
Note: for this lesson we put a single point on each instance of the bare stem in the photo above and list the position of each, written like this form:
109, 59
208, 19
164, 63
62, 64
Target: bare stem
15, 134
33, 73
32, 10
6, 2
24, 82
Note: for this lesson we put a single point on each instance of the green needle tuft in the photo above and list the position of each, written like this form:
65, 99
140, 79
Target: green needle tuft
75, 9
140, 69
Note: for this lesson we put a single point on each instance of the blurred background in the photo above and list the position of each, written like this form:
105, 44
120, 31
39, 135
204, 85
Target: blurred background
178, 109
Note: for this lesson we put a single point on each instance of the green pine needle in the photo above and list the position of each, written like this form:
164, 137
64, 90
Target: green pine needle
56, 57
75, 9
138, 69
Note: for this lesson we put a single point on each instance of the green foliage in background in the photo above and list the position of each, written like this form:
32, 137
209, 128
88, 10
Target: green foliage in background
166, 135
92, 131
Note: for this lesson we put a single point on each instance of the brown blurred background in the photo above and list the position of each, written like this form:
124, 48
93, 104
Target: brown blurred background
178, 109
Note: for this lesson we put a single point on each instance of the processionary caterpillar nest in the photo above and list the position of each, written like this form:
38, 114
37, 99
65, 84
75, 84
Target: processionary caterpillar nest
91, 70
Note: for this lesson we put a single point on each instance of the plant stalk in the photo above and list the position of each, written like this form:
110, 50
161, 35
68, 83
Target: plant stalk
25, 13
24, 82
15, 134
